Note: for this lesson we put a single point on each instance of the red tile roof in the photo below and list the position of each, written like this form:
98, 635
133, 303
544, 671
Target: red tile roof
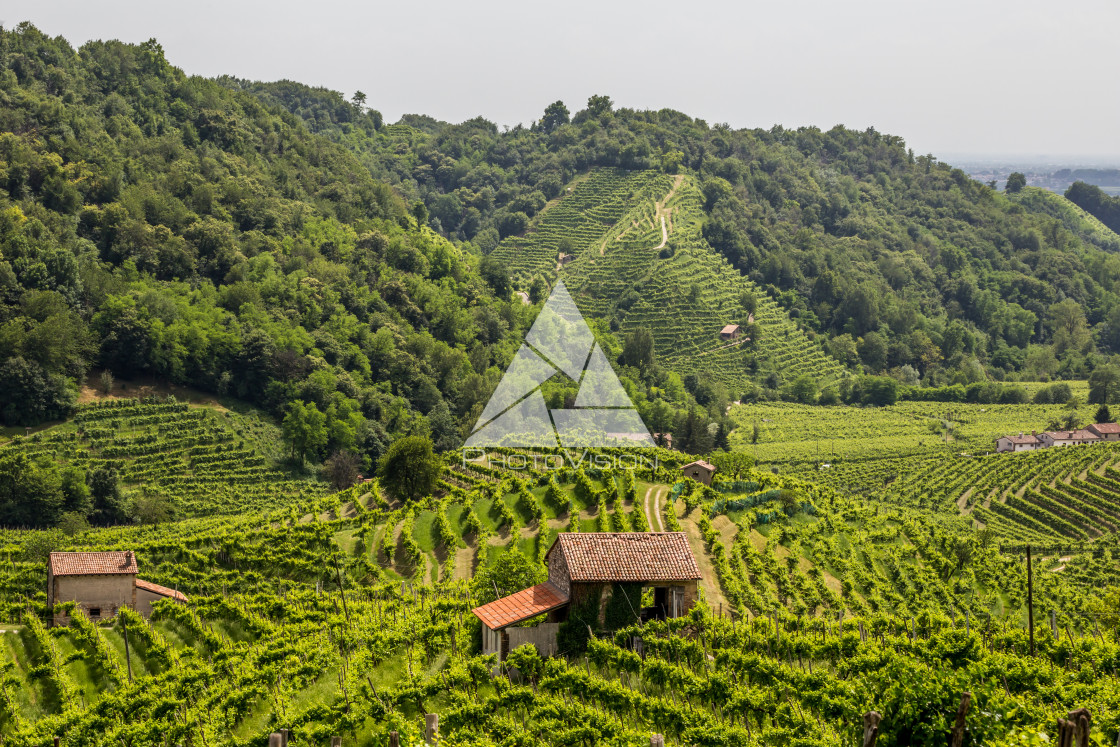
1022, 439
627, 556
1106, 427
163, 591
700, 463
1081, 435
536, 600
92, 563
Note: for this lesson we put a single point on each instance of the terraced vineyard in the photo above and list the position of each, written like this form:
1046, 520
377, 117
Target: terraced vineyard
1051, 497
792, 434
202, 460
638, 253
299, 619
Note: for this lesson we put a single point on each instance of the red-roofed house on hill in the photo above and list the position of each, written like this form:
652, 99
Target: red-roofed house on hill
589, 567
1106, 431
101, 583
1052, 439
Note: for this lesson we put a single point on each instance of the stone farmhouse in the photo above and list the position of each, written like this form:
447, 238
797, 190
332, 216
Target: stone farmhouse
587, 566
1095, 433
730, 332
101, 583
700, 471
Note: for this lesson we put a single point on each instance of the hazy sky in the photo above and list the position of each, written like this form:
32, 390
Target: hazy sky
982, 77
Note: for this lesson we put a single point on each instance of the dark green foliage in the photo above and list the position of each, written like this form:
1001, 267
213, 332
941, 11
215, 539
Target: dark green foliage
1055, 394
575, 632
108, 503
157, 224
1094, 200
1015, 182
1103, 415
31, 395
637, 348
1104, 385
555, 115
873, 390
510, 572
624, 606
31, 492
410, 468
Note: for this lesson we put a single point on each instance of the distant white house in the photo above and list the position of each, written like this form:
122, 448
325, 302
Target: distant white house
1095, 433
1052, 439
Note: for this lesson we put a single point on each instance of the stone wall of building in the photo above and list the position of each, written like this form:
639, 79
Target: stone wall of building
558, 572
99, 596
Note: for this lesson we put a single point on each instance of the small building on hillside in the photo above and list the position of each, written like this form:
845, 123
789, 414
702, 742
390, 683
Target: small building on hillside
700, 471
101, 583
1106, 431
1051, 439
664, 440
589, 567
1022, 442
730, 332
564, 259
147, 592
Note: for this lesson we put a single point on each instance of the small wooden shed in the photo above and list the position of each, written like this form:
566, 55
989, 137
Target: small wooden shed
730, 332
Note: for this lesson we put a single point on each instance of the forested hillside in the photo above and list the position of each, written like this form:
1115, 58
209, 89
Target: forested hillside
1097, 202
156, 223
902, 262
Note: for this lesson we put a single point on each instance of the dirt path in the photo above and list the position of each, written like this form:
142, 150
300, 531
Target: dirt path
962, 502
664, 235
464, 563
709, 581
650, 521
657, 521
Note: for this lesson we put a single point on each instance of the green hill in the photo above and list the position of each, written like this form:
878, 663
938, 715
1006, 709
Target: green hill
625, 267
894, 258
171, 458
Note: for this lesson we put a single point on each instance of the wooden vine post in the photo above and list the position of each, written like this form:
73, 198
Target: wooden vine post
431, 728
1074, 730
274, 740
656, 740
394, 739
962, 714
871, 721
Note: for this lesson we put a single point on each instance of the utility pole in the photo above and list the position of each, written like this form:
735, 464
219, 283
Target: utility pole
1030, 598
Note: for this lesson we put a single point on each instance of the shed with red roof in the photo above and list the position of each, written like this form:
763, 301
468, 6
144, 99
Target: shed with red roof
101, 583
586, 570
